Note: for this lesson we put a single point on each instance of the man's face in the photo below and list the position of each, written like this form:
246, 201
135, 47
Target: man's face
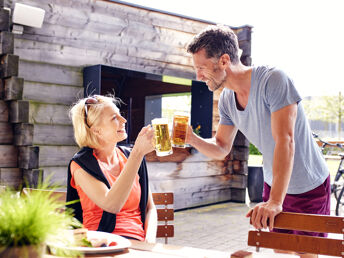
209, 70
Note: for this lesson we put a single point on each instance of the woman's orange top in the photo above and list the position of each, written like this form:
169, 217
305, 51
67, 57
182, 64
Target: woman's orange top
128, 220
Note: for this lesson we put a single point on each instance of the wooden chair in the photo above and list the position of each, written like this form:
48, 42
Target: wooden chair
301, 243
165, 214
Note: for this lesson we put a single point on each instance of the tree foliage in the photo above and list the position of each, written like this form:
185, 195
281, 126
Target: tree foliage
326, 108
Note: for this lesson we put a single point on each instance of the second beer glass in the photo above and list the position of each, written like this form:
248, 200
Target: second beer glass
163, 145
180, 125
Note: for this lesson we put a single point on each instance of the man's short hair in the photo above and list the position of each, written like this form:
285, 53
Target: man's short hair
216, 40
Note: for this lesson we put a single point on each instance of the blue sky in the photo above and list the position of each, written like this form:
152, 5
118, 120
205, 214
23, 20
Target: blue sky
304, 38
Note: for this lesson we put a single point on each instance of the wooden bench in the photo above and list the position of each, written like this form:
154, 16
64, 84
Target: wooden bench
161, 200
302, 243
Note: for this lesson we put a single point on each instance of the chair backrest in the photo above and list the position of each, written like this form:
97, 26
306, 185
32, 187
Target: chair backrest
302, 243
165, 214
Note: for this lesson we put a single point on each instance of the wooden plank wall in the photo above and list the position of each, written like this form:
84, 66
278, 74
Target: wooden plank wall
11, 148
76, 34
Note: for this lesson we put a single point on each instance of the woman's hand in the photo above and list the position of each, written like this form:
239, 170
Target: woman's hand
145, 140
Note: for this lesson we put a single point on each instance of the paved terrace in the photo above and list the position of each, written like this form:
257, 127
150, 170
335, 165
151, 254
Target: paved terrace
221, 227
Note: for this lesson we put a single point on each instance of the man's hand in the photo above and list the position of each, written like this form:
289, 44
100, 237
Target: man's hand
263, 214
189, 135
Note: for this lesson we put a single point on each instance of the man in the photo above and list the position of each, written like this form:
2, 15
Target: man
264, 105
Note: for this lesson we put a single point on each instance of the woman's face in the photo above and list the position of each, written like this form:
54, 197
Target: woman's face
111, 125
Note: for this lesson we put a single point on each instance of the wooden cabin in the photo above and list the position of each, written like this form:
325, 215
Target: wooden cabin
122, 48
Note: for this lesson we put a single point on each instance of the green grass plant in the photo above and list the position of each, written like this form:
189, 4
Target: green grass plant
32, 219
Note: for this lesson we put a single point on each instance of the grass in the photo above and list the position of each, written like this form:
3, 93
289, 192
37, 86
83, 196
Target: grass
33, 219
332, 164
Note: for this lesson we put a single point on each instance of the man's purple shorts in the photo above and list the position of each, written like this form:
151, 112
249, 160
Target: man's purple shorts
316, 201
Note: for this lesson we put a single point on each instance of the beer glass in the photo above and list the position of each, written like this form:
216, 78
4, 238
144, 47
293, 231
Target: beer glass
163, 146
180, 125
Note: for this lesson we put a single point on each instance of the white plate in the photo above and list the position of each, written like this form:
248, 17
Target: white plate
122, 243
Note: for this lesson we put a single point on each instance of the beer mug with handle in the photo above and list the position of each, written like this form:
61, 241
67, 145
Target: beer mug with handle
180, 125
163, 146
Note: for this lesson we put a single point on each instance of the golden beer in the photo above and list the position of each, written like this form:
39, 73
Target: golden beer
180, 126
163, 145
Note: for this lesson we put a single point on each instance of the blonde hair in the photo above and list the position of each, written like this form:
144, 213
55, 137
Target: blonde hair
83, 134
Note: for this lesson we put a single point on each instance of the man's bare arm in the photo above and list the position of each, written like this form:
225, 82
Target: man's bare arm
217, 147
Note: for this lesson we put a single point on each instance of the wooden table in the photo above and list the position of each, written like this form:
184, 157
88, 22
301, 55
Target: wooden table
141, 249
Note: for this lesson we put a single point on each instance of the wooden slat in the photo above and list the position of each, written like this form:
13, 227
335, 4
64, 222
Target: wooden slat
8, 156
309, 222
52, 93
54, 156
162, 198
60, 35
165, 231
56, 175
52, 53
49, 73
6, 133
49, 114
63, 135
165, 214
297, 243
11, 177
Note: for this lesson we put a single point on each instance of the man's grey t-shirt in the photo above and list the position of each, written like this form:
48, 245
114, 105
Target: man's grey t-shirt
271, 89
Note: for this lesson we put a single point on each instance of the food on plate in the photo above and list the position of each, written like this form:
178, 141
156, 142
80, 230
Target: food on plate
98, 242
113, 243
81, 239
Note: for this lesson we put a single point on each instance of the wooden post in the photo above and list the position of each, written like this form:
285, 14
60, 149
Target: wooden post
9, 65
31, 177
6, 42
28, 157
4, 19
12, 88
3, 111
23, 134
19, 111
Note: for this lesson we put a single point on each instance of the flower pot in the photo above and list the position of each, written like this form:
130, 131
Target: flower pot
255, 183
26, 251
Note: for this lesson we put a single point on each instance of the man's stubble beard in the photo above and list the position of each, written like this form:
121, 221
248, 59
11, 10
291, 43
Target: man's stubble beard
220, 84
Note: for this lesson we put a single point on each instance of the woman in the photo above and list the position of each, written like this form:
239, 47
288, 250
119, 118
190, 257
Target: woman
111, 184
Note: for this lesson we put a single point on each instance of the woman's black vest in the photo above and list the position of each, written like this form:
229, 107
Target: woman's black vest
85, 159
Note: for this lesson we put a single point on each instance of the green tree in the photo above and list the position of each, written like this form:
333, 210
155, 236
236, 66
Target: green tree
326, 108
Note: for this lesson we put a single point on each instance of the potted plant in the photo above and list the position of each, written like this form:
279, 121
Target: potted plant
28, 222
